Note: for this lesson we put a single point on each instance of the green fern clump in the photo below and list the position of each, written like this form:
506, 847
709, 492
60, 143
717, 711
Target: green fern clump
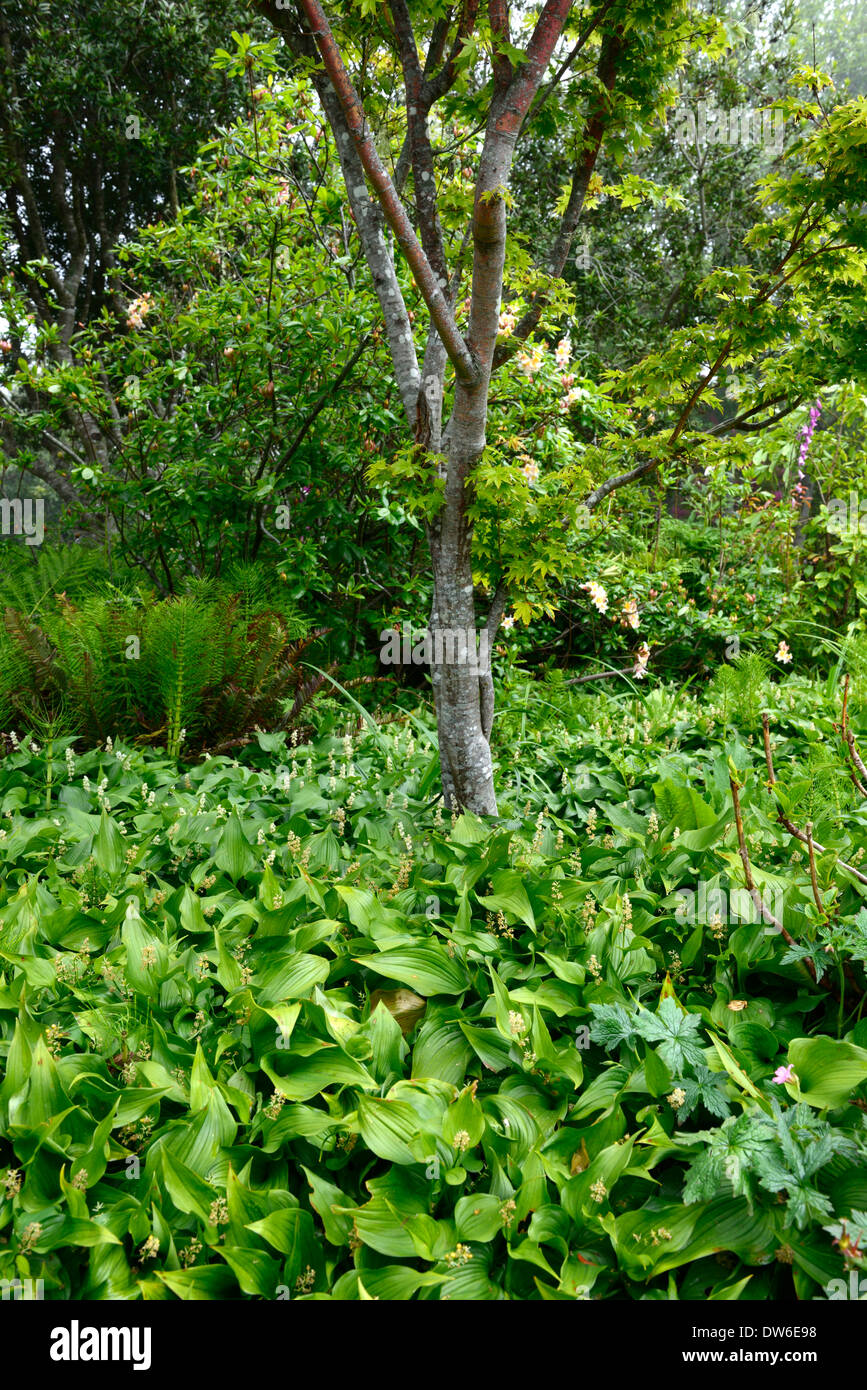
93, 671
818, 789
256, 592
183, 657
202, 668
741, 688
17, 673
31, 579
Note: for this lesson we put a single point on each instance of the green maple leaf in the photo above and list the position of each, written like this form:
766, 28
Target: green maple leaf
675, 1032
611, 1026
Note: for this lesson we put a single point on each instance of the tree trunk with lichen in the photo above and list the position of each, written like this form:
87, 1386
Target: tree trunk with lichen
463, 688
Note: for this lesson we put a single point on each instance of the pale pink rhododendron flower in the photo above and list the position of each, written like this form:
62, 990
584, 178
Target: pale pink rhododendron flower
507, 323
640, 670
530, 362
530, 471
598, 596
563, 352
783, 654
508, 623
138, 309
630, 614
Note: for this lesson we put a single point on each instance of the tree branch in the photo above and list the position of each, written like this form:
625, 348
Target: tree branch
320, 405
525, 83
619, 480
498, 16
421, 153
429, 283
612, 49
366, 214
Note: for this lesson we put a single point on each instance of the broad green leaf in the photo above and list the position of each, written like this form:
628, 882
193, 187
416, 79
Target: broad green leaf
478, 1217
387, 1128
510, 896
304, 1077
234, 854
828, 1069
427, 969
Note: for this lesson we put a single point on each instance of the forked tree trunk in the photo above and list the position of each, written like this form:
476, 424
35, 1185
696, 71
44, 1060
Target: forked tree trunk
463, 693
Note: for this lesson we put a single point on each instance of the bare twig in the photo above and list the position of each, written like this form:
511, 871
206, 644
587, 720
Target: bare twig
601, 675
814, 883
848, 738
784, 819
753, 891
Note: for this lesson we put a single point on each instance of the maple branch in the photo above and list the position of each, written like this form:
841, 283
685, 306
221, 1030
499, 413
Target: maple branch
619, 480
612, 48
429, 283
498, 16
525, 83
365, 211
421, 153
437, 85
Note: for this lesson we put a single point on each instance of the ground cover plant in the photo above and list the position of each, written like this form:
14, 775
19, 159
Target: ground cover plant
274, 1027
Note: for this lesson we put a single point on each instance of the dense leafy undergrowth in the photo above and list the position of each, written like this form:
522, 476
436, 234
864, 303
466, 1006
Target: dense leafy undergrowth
278, 1028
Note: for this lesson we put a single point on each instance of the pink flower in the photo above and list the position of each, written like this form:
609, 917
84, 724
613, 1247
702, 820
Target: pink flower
630, 614
530, 362
640, 670
138, 309
782, 1075
597, 593
806, 432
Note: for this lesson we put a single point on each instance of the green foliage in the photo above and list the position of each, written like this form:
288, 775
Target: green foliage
740, 687
291, 1034
230, 356
200, 668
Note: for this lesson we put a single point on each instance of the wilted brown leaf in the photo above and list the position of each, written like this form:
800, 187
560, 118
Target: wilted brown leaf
403, 1004
580, 1159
